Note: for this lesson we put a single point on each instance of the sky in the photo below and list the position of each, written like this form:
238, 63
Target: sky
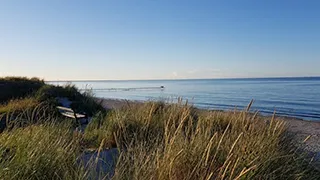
167, 39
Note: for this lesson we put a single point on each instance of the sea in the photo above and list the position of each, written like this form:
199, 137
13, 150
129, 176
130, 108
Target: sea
293, 97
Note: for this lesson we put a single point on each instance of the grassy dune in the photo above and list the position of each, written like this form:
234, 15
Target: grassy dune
39, 152
176, 141
31, 100
156, 140
18, 87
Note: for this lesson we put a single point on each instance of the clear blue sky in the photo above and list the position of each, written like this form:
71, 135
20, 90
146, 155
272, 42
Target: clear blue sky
75, 39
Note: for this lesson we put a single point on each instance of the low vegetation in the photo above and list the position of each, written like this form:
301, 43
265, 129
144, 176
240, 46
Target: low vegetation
18, 87
19, 105
40, 152
176, 141
155, 140
81, 102
29, 100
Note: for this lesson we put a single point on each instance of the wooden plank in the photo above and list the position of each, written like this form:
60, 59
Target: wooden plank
68, 112
64, 108
71, 115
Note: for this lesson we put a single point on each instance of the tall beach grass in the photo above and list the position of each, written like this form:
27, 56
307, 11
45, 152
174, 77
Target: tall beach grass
176, 141
155, 140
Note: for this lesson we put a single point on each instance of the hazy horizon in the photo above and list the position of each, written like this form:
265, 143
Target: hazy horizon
235, 78
143, 40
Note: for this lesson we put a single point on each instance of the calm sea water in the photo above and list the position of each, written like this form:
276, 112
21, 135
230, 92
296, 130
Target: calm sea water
297, 97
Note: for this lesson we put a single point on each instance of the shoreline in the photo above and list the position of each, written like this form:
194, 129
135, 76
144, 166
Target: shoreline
118, 102
301, 129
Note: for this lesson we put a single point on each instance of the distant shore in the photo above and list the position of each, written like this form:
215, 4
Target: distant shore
301, 129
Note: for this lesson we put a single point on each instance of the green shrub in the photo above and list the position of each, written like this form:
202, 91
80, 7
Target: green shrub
81, 102
22, 87
51, 91
18, 87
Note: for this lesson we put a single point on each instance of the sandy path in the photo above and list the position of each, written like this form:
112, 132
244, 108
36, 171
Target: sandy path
303, 129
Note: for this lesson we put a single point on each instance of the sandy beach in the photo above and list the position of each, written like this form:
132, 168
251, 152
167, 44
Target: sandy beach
303, 129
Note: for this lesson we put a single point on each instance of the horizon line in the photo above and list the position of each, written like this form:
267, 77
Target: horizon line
227, 78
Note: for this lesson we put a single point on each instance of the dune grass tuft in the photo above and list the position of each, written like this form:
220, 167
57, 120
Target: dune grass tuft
176, 141
19, 105
40, 152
